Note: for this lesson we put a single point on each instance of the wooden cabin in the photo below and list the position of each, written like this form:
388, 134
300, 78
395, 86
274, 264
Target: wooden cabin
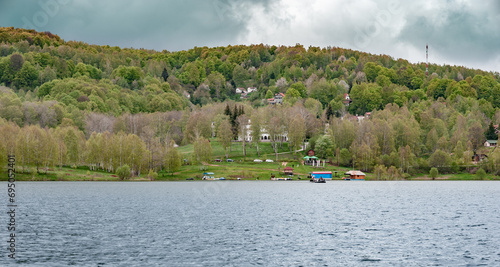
355, 175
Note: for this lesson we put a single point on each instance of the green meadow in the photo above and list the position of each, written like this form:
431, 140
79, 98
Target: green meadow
242, 167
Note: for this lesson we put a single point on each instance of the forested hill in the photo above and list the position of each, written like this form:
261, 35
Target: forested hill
153, 99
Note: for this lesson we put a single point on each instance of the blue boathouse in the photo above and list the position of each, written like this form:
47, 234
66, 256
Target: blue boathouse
324, 175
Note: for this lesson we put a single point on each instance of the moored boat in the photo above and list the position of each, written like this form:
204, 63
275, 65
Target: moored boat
281, 179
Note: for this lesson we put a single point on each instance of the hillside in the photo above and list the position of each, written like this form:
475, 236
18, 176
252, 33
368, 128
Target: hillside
102, 106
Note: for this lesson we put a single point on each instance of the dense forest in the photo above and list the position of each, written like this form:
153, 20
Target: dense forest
74, 104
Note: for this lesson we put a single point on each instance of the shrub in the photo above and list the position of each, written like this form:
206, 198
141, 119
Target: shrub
433, 173
152, 175
481, 173
123, 172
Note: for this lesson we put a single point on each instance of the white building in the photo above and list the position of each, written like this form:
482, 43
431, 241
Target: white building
264, 135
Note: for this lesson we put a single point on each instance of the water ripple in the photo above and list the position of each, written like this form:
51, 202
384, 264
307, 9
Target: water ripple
257, 224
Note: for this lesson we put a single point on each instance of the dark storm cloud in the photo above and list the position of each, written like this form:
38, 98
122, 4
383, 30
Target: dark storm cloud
172, 25
462, 32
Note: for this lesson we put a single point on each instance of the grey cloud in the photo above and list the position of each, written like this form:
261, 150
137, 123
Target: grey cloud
460, 33
172, 25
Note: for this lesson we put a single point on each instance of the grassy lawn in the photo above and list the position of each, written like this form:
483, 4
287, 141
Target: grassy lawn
236, 152
230, 170
65, 174
242, 167
243, 170
455, 177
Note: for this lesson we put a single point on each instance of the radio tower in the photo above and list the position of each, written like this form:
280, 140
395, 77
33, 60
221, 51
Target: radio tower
426, 59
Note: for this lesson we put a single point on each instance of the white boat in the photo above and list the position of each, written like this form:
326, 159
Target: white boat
281, 179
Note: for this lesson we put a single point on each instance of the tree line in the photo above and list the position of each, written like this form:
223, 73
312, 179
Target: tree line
166, 98
37, 150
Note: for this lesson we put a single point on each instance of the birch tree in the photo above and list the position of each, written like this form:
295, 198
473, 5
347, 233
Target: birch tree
225, 136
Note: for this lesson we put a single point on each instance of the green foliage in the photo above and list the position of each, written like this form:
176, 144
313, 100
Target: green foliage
433, 173
481, 173
440, 159
130, 74
49, 82
269, 94
300, 88
172, 159
324, 147
371, 70
365, 98
27, 76
437, 87
202, 151
490, 133
345, 157
323, 91
123, 172
89, 71
152, 175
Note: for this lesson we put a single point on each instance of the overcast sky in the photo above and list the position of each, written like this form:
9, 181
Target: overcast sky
458, 32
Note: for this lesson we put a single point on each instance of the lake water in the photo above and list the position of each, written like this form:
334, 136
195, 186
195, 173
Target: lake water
255, 223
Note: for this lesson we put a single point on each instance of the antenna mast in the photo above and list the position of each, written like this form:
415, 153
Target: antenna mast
426, 59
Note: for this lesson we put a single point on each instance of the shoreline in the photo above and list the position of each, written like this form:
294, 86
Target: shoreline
417, 179
230, 173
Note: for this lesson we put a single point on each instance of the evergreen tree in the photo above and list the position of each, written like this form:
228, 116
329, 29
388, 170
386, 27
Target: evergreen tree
490, 134
234, 122
164, 74
235, 113
329, 112
227, 111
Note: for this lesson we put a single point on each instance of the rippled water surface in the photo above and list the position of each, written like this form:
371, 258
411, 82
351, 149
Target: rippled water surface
248, 223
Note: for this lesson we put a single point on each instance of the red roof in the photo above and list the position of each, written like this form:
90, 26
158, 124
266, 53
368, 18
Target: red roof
288, 169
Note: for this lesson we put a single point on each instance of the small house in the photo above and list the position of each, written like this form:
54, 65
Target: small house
324, 175
490, 143
347, 100
355, 175
288, 171
278, 98
240, 90
251, 89
310, 153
